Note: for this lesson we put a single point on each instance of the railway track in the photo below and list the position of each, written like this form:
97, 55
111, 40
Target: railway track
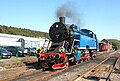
39, 75
47, 75
101, 71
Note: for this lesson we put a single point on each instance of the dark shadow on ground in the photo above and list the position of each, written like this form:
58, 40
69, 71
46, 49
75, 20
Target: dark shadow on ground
33, 65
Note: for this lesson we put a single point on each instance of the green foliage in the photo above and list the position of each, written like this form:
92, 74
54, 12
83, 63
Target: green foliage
115, 43
23, 32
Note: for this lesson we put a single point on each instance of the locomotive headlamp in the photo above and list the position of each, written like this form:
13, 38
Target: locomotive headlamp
56, 25
57, 56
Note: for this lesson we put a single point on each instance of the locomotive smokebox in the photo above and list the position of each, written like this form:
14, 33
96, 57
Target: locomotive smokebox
62, 19
58, 31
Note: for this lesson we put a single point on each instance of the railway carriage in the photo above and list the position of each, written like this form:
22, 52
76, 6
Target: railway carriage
105, 45
70, 45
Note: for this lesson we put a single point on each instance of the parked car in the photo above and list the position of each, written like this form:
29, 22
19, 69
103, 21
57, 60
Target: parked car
25, 51
15, 50
32, 51
29, 51
4, 53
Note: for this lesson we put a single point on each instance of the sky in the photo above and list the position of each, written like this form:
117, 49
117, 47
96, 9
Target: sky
100, 16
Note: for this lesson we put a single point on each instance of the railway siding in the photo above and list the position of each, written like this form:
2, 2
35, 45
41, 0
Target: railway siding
117, 65
103, 71
115, 75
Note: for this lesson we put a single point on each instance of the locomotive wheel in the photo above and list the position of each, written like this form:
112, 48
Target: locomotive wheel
83, 60
77, 62
88, 58
94, 54
67, 64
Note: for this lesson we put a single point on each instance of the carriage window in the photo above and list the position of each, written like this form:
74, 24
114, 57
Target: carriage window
91, 35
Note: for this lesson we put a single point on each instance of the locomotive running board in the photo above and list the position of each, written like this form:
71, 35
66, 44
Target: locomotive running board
68, 53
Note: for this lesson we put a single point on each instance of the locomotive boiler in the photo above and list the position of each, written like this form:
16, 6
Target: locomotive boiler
70, 45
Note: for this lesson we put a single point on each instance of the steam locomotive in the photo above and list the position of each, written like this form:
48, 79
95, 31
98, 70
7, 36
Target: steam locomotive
69, 46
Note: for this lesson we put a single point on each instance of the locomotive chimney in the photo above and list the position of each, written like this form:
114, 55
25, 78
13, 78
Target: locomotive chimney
62, 19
